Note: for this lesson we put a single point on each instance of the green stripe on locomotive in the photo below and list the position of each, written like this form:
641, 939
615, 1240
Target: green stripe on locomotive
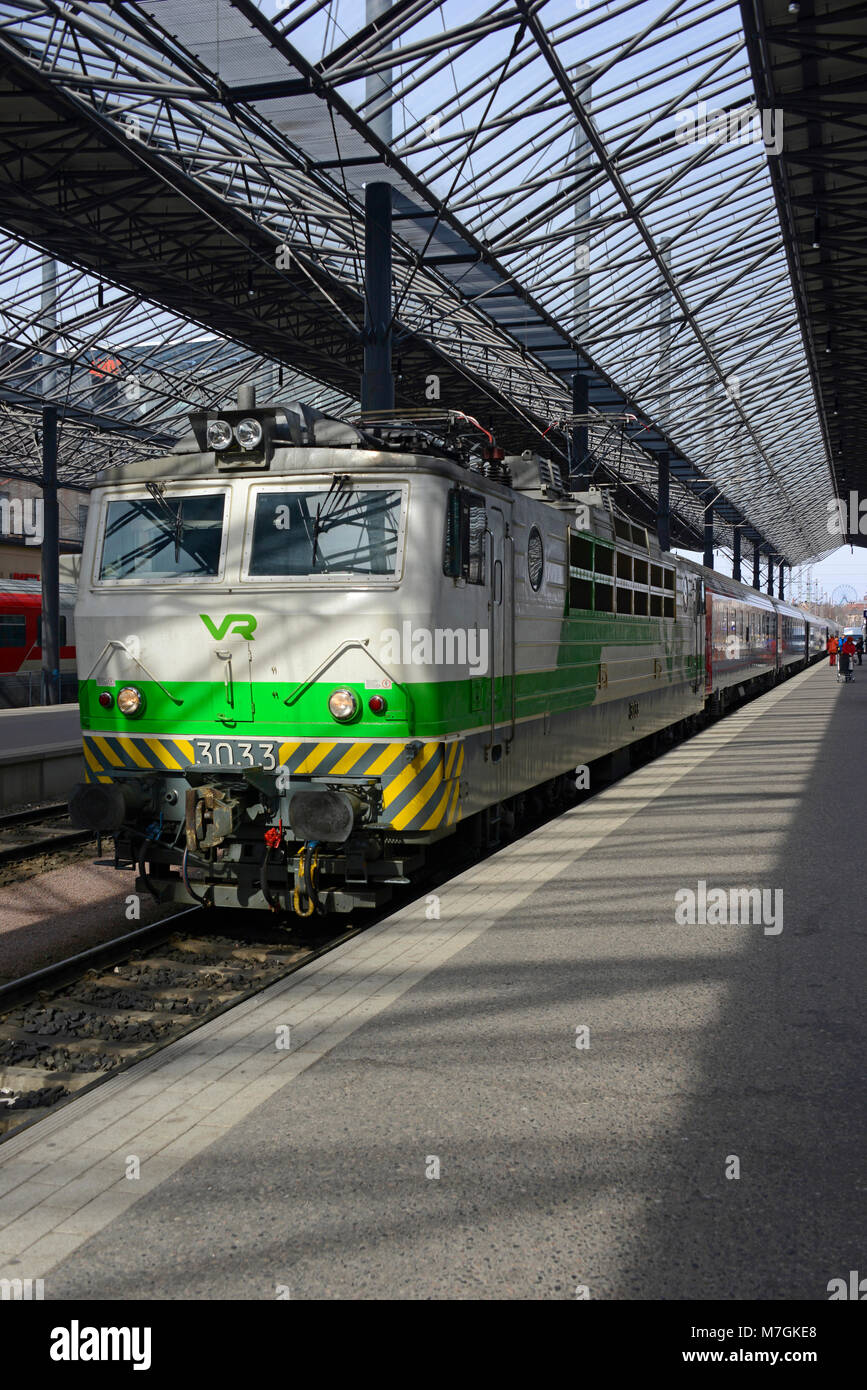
425, 708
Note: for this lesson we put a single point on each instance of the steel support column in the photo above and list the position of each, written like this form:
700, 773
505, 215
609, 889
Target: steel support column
579, 440
663, 500
377, 382
736, 553
781, 587
757, 577
708, 535
50, 560
579, 435
771, 575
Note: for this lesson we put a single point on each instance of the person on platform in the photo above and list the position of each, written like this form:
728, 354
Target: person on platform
859, 648
833, 644
847, 651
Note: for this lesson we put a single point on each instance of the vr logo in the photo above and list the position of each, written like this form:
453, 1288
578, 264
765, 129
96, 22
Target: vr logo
242, 623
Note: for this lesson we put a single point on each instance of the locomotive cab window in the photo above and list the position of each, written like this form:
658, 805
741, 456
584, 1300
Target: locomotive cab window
327, 529
160, 537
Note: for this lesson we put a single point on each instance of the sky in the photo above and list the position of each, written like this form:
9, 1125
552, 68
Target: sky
848, 565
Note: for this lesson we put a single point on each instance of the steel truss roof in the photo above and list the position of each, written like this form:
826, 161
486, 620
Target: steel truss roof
546, 205
57, 323
812, 60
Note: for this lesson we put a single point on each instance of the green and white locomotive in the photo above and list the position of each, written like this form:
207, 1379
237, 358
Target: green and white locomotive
307, 653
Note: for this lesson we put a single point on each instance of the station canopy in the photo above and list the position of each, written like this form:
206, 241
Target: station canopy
576, 183
810, 60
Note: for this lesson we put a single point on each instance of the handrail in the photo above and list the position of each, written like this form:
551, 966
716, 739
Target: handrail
492, 631
514, 701
338, 651
114, 642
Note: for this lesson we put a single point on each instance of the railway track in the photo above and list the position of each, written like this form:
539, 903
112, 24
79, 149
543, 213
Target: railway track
67, 1028
36, 833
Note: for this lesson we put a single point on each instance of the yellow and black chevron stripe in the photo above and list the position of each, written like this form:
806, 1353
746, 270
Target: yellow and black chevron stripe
106, 753
425, 793
419, 795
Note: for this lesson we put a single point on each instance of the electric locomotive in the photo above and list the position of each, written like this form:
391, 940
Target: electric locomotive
308, 652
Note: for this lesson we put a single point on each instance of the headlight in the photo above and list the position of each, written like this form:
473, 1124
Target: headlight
248, 433
219, 434
343, 704
130, 700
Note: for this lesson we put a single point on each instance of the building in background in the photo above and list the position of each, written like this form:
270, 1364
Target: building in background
18, 560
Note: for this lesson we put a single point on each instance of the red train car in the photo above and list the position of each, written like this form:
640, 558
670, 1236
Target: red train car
21, 641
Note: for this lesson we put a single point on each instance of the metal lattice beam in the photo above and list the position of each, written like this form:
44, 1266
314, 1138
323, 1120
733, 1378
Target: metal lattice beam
547, 212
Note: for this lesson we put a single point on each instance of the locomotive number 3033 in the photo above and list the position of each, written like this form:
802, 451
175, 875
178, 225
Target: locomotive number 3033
223, 754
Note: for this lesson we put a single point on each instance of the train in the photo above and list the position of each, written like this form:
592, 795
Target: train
311, 651
21, 641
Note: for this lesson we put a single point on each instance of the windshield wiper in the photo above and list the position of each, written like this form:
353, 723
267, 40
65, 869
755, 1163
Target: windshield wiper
315, 537
177, 518
322, 512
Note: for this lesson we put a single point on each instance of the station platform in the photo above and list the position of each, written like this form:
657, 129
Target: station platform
704, 1140
40, 753
39, 726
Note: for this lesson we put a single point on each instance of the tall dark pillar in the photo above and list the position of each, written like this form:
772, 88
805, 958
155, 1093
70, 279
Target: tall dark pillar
771, 575
757, 578
579, 440
377, 382
781, 587
663, 502
50, 560
736, 553
708, 535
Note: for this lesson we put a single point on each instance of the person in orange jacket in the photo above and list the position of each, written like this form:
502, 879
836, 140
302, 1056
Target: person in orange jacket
833, 644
